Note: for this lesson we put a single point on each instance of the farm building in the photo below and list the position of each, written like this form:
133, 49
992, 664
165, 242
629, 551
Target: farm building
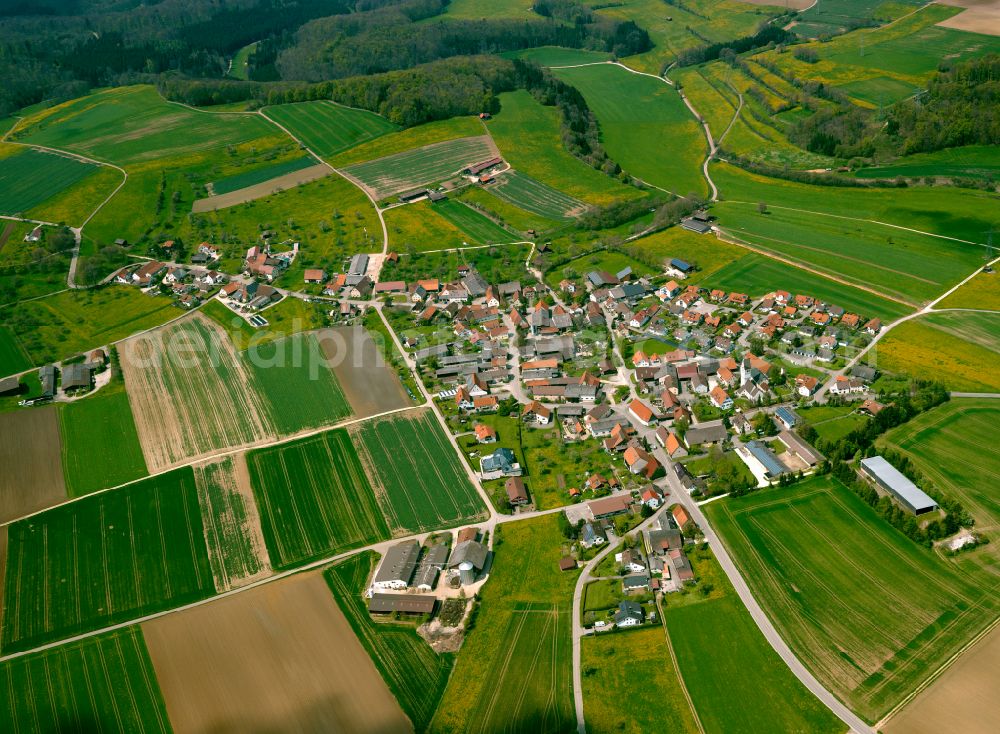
800, 448
315, 275
397, 567
889, 478
696, 225
610, 506
431, 565
359, 265
47, 376
76, 377
761, 460
707, 432
9, 385
469, 557
786, 417
401, 603
681, 265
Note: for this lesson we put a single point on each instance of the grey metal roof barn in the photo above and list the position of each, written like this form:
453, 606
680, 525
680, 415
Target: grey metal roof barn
891, 479
398, 564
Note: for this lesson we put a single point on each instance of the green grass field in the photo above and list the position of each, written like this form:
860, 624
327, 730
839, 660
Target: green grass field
314, 499
100, 446
409, 138
983, 291
411, 169
103, 683
480, 228
133, 124
555, 55
327, 128
861, 252
415, 674
105, 559
29, 178
832, 423
953, 445
417, 475
645, 126
505, 212
609, 696
871, 613
260, 175
72, 322
706, 252
240, 67
958, 348
528, 134
523, 191
758, 275
479, 9
13, 357
418, 227
971, 161
522, 635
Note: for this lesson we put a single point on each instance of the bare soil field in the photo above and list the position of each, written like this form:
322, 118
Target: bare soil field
980, 16
371, 386
236, 548
259, 191
281, 657
190, 393
3, 565
962, 699
31, 476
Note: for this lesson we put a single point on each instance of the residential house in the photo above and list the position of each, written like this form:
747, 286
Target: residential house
485, 433
517, 495
501, 463
641, 412
720, 398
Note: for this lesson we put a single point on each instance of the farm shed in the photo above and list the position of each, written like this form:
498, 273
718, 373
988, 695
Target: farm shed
885, 475
402, 603
707, 432
47, 376
469, 557
683, 266
359, 265
398, 566
9, 385
610, 506
76, 377
800, 448
432, 564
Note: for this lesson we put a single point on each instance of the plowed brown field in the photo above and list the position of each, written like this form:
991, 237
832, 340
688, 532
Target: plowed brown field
31, 476
369, 383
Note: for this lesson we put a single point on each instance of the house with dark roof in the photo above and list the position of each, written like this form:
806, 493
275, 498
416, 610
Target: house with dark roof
629, 614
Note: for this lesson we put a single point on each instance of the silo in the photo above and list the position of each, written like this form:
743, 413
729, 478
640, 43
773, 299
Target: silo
467, 572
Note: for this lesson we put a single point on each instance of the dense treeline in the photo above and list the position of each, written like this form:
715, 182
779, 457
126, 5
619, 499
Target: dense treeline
391, 38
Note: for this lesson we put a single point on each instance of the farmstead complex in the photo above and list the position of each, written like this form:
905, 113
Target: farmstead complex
545, 367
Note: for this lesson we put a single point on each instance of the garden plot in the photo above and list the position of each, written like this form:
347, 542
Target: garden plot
394, 174
235, 541
280, 657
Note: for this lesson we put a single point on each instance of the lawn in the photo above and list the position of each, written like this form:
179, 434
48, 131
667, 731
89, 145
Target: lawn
260, 175
832, 423
622, 668
411, 169
29, 177
522, 638
645, 127
105, 559
862, 252
871, 613
103, 683
327, 128
534, 196
954, 445
13, 357
478, 226
132, 124
983, 291
554, 55
72, 322
415, 674
529, 136
100, 445
758, 275
957, 348
407, 140
417, 475
314, 499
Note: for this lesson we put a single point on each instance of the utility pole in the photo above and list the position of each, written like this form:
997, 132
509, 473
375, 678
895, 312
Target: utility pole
989, 250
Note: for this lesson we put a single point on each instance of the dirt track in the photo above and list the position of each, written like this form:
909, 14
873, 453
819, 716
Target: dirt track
278, 658
371, 386
31, 457
259, 191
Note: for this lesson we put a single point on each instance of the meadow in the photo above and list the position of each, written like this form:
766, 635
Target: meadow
609, 697
260, 175
862, 252
955, 347
503, 211
29, 178
837, 15
103, 683
417, 475
707, 253
418, 227
400, 172
133, 124
529, 137
477, 225
408, 139
832, 422
239, 66
73, 322
645, 127
534, 196
496, 264
105, 559
478, 9
970, 161
327, 128
13, 356
100, 445
314, 499
522, 635
415, 674
983, 291
555, 55
945, 211
758, 275
871, 613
